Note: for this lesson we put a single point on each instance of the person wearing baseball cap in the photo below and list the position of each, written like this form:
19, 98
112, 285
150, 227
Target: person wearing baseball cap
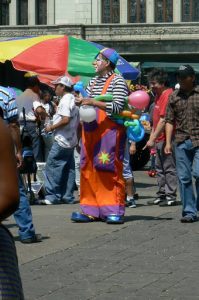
60, 165
110, 54
183, 114
185, 71
102, 187
63, 80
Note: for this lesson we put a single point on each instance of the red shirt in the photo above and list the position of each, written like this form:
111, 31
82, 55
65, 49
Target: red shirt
160, 110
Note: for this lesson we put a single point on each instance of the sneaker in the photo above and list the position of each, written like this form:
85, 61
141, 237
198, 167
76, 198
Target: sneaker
155, 201
132, 203
188, 219
129, 202
37, 238
168, 202
45, 202
115, 219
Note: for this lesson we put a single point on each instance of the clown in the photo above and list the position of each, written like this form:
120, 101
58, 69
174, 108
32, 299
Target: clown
103, 140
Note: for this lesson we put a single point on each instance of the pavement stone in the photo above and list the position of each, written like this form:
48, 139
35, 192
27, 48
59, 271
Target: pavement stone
151, 256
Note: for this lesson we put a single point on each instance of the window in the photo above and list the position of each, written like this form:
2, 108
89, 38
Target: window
164, 11
41, 12
190, 11
4, 13
110, 11
136, 11
22, 12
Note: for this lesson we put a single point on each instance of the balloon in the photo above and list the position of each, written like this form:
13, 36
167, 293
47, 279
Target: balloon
135, 130
139, 99
79, 87
87, 113
145, 117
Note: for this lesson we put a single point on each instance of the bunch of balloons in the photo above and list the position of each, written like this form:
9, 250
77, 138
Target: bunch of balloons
137, 100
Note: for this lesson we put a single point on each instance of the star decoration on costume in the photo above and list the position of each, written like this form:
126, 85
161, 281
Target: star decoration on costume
104, 157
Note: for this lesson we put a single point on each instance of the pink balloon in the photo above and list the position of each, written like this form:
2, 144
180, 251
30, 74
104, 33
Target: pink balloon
139, 99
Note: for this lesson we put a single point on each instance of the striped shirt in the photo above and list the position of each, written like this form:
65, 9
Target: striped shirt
117, 88
10, 281
8, 105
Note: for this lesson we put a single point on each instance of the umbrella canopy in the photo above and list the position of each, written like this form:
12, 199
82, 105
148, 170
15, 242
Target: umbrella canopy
51, 56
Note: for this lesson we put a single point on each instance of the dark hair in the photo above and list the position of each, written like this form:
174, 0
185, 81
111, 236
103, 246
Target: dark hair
45, 92
66, 88
160, 76
112, 65
32, 81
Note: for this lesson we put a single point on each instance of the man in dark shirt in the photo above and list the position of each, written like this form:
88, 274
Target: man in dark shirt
183, 114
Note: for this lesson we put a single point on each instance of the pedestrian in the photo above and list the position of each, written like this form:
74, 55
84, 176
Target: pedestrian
50, 109
164, 164
183, 117
10, 281
60, 165
102, 187
22, 215
130, 148
31, 101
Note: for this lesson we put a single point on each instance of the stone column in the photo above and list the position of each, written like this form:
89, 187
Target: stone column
31, 12
94, 12
150, 11
177, 11
50, 12
98, 12
13, 13
123, 11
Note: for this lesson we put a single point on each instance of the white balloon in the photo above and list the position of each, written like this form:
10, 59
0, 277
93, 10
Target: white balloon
87, 113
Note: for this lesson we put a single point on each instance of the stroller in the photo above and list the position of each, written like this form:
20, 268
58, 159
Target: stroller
29, 164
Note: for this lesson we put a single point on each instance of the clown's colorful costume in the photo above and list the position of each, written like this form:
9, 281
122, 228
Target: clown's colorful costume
103, 142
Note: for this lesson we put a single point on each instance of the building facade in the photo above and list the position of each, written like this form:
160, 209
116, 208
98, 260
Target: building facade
141, 30
54, 12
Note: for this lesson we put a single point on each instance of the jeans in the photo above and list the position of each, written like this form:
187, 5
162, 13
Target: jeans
47, 144
60, 175
187, 164
127, 170
23, 215
36, 141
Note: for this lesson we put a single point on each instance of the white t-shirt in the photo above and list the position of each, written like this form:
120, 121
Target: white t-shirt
66, 136
30, 101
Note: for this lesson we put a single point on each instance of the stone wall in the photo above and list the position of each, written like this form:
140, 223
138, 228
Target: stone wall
130, 39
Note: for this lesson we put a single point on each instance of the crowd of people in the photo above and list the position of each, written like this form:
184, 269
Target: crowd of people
104, 175
102, 172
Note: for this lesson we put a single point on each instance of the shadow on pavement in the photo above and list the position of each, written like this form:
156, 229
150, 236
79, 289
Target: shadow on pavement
144, 218
142, 185
145, 197
17, 238
12, 225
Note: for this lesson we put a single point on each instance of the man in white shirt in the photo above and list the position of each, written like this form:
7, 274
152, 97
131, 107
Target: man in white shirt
60, 165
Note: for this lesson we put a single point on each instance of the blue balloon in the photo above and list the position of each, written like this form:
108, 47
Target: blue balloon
79, 87
144, 117
135, 134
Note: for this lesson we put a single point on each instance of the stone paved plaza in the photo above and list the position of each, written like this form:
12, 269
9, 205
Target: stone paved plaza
152, 256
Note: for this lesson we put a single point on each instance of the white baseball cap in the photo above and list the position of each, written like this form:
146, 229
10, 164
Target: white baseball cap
63, 80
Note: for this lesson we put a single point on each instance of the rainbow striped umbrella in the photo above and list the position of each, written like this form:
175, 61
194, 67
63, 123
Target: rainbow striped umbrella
51, 56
